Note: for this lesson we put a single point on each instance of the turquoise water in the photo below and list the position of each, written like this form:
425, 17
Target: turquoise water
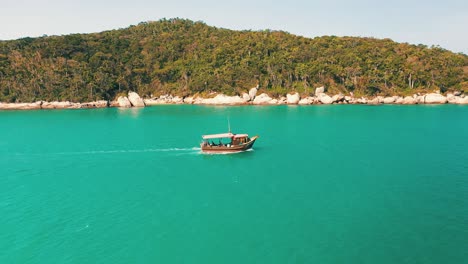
324, 184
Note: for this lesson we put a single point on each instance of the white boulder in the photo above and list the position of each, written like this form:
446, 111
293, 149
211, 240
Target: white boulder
435, 98
389, 100
222, 99
292, 98
262, 99
338, 98
452, 99
324, 98
409, 100
374, 101
319, 90
462, 100
123, 101
188, 100
135, 99
306, 101
246, 97
253, 92
177, 100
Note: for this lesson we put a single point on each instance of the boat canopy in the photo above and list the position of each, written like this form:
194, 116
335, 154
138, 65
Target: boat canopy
225, 135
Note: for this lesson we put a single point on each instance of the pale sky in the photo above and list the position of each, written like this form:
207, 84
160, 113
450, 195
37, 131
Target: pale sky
428, 22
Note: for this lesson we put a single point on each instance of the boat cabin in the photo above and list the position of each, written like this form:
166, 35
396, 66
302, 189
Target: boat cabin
226, 139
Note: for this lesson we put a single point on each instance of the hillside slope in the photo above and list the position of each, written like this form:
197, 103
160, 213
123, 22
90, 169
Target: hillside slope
182, 57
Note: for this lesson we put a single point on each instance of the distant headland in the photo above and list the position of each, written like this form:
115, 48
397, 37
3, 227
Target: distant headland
182, 61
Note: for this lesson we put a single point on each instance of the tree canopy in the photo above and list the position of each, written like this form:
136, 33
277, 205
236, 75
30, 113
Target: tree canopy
183, 57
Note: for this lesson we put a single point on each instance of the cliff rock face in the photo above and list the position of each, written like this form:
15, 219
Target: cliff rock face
135, 99
123, 101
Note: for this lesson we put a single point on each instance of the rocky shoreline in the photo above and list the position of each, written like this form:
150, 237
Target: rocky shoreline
250, 98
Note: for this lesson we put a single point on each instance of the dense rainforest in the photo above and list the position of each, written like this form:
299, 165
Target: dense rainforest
183, 57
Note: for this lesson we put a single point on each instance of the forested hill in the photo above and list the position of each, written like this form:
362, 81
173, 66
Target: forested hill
182, 57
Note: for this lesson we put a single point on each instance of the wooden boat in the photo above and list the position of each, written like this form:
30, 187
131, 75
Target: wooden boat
216, 143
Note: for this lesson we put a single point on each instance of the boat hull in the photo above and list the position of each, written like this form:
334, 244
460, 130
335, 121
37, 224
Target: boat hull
226, 149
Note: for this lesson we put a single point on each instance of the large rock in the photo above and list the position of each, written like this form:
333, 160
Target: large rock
262, 99
435, 98
452, 99
462, 100
293, 98
319, 90
389, 100
177, 100
409, 100
253, 92
222, 99
274, 101
188, 100
307, 101
420, 99
399, 100
123, 101
374, 101
20, 106
338, 98
246, 97
135, 99
324, 98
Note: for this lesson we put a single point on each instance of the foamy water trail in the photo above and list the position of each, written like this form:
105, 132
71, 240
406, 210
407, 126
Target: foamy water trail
118, 151
130, 151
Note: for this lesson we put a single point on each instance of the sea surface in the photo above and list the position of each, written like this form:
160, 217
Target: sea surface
323, 184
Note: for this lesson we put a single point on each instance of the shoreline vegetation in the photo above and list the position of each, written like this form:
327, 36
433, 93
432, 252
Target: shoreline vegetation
252, 97
174, 61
